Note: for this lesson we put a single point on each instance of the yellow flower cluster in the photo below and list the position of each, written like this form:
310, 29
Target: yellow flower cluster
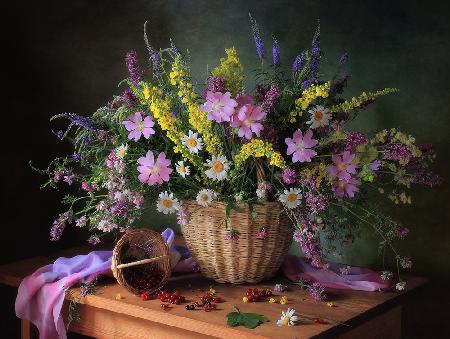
258, 148
231, 70
357, 102
308, 96
319, 171
160, 108
197, 118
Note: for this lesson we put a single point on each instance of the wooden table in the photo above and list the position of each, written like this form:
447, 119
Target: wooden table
366, 314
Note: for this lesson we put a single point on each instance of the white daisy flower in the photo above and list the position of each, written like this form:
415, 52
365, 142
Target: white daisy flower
320, 116
121, 151
192, 142
291, 198
288, 318
182, 169
167, 203
205, 197
400, 286
218, 167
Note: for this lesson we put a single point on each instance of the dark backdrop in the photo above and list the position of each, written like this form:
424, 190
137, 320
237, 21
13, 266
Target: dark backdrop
68, 56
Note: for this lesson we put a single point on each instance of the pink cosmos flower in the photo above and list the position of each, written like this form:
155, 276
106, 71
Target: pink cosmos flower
300, 146
343, 166
219, 106
247, 120
137, 127
154, 172
342, 188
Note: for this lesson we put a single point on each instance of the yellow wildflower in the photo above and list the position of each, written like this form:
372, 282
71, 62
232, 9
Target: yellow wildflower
309, 95
212, 291
357, 102
258, 148
283, 300
330, 304
245, 299
197, 118
231, 70
160, 108
272, 301
118, 296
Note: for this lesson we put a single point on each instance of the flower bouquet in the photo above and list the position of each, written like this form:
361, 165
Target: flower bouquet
244, 170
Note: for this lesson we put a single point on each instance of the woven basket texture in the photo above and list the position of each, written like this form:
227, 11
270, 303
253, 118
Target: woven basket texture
248, 259
139, 244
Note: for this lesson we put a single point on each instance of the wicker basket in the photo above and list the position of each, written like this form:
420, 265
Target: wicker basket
141, 261
248, 259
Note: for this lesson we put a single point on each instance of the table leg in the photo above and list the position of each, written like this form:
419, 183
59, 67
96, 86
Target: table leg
25, 326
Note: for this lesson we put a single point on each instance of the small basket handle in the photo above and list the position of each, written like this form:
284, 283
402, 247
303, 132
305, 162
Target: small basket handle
141, 262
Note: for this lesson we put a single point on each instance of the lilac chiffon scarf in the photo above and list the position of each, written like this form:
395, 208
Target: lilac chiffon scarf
41, 295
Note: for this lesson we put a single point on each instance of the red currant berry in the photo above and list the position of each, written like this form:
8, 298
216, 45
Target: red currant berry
214, 306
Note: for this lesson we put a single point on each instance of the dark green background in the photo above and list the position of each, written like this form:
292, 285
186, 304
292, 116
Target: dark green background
68, 56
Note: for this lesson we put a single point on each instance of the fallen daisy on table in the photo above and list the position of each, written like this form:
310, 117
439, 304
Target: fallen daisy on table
288, 318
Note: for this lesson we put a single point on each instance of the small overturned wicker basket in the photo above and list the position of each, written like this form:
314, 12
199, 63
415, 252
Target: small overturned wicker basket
248, 259
141, 261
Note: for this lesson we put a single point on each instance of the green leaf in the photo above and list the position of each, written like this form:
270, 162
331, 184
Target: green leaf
248, 320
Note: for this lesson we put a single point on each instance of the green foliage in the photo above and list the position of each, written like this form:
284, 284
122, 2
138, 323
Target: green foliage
248, 320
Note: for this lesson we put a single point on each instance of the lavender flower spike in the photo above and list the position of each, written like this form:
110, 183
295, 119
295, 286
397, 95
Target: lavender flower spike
132, 63
275, 51
259, 43
298, 62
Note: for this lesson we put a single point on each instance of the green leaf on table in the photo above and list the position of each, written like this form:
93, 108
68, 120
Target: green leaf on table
248, 320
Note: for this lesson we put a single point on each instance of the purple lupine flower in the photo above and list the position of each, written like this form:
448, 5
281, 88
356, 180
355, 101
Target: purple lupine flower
317, 291
315, 53
76, 157
338, 86
307, 83
132, 64
259, 43
156, 62
129, 98
344, 58
183, 217
215, 84
289, 176
275, 51
298, 62
59, 225
59, 134
81, 121
397, 152
270, 98
174, 49
354, 139
427, 178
